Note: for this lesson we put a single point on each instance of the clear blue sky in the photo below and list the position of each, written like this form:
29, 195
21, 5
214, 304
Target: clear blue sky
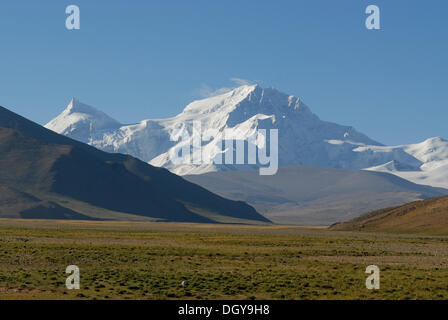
147, 59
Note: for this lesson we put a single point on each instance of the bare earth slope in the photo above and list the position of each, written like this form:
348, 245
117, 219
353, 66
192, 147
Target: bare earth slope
426, 216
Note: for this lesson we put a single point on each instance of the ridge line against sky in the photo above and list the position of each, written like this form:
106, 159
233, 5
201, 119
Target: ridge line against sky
150, 59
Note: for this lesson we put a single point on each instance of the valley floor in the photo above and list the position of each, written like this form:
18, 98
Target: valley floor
129, 260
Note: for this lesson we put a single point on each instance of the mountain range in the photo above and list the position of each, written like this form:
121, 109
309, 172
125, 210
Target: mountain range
47, 175
305, 195
304, 139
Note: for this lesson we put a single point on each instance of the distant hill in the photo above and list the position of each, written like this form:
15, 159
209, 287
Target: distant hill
47, 175
426, 216
315, 196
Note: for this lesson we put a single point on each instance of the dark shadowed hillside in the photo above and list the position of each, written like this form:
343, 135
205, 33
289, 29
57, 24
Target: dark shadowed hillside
38, 164
18, 204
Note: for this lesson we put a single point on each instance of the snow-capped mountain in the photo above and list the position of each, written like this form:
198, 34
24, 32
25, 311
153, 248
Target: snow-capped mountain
304, 139
80, 122
431, 168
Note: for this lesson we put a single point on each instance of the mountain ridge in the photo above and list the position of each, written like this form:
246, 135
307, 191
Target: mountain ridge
304, 139
242, 111
39, 162
307, 195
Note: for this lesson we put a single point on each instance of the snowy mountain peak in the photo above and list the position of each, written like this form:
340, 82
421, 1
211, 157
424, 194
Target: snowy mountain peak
435, 141
76, 106
79, 120
244, 103
222, 103
433, 152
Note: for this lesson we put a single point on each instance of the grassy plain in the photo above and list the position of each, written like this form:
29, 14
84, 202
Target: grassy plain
146, 260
